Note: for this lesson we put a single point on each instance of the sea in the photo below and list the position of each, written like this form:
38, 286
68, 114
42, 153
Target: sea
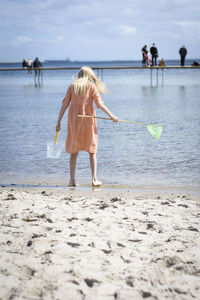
128, 156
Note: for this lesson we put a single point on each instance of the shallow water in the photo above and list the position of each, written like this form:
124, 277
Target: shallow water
127, 154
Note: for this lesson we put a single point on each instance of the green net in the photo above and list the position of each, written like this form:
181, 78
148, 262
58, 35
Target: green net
155, 130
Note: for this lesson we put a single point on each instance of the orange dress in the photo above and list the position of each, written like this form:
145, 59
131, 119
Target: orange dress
82, 132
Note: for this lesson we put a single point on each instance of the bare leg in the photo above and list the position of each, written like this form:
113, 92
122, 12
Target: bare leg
72, 165
93, 165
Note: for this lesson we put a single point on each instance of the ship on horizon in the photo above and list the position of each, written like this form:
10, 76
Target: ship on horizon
67, 59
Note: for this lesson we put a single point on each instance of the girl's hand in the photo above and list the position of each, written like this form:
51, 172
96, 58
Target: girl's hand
58, 126
115, 119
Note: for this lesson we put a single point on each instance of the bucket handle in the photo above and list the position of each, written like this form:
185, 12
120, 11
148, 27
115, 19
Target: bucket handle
56, 138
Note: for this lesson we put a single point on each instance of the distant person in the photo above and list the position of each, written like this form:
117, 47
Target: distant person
154, 54
195, 64
29, 65
148, 60
82, 132
37, 64
183, 53
24, 64
145, 55
162, 63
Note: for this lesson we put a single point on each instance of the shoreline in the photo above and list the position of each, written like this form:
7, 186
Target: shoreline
103, 244
192, 191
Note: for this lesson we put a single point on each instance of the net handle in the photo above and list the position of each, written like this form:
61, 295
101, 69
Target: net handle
154, 129
109, 119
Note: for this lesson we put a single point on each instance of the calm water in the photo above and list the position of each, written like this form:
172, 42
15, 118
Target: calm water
127, 154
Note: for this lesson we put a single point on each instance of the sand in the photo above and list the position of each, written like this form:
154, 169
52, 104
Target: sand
76, 244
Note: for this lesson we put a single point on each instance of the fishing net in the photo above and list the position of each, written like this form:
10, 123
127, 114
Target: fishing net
155, 130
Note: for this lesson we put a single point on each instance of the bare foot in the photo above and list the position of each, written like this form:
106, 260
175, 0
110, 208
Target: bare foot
96, 183
72, 185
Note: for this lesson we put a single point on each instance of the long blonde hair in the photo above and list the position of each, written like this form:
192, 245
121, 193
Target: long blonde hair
86, 75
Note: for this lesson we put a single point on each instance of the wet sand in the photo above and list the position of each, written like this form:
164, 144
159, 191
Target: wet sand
75, 244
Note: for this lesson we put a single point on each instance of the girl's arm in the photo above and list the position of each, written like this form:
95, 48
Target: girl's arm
61, 114
99, 103
65, 104
106, 110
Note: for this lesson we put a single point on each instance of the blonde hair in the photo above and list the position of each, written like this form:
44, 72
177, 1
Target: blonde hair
86, 75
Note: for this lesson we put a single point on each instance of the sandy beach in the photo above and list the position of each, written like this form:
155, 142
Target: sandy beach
75, 244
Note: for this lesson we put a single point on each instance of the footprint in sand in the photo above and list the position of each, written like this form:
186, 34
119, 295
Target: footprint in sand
91, 282
10, 197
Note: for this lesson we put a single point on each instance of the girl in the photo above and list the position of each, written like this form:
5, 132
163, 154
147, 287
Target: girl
82, 132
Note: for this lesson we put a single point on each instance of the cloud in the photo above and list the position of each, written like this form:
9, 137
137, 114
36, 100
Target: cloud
188, 24
127, 30
25, 40
20, 40
56, 40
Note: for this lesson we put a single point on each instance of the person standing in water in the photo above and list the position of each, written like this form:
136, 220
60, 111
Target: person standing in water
82, 132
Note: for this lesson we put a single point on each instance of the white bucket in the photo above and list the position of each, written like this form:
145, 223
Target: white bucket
54, 151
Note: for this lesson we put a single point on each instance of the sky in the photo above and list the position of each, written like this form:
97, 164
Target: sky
89, 30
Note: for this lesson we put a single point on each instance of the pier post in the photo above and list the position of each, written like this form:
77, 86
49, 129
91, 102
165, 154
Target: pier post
42, 77
156, 76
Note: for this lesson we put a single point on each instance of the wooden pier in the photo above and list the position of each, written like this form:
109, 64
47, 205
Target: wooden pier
38, 74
